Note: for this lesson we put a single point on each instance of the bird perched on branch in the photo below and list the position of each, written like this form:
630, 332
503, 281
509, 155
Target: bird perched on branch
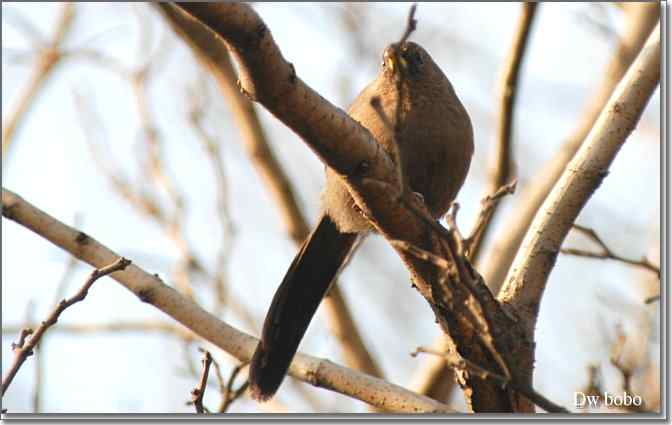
412, 111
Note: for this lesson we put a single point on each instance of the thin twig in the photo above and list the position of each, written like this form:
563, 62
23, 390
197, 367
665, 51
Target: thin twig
508, 92
606, 253
462, 363
213, 151
219, 376
24, 348
133, 192
488, 204
652, 299
626, 372
411, 24
229, 395
198, 392
422, 254
39, 359
595, 386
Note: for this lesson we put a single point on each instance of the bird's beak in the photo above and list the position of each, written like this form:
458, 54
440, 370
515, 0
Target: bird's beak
388, 57
395, 63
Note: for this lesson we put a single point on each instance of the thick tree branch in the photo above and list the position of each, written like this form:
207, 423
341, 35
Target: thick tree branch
462, 364
150, 289
639, 21
266, 77
525, 284
434, 378
215, 56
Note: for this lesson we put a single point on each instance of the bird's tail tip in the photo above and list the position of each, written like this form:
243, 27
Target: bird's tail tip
258, 394
264, 380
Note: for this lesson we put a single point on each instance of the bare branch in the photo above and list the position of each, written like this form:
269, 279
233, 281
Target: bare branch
25, 346
652, 299
464, 364
215, 57
482, 318
640, 20
136, 195
411, 24
228, 393
112, 327
606, 253
198, 392
434, 378
488, 205
150, 289
508, 93
422, 254
527, 279
213, 152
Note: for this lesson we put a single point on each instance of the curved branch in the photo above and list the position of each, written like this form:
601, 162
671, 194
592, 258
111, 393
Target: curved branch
526, 281
640, 20
266, 77
150, 289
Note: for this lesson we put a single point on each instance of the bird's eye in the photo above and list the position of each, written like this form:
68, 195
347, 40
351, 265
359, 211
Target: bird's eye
418, 58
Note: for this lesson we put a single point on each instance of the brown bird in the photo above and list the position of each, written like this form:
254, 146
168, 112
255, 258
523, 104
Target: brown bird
430, 133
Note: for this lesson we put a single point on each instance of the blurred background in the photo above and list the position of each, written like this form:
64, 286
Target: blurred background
130, 140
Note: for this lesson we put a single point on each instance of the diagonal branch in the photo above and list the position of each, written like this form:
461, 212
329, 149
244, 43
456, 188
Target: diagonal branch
29, 339
198, 392
525, 284
639, 21
150, 289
